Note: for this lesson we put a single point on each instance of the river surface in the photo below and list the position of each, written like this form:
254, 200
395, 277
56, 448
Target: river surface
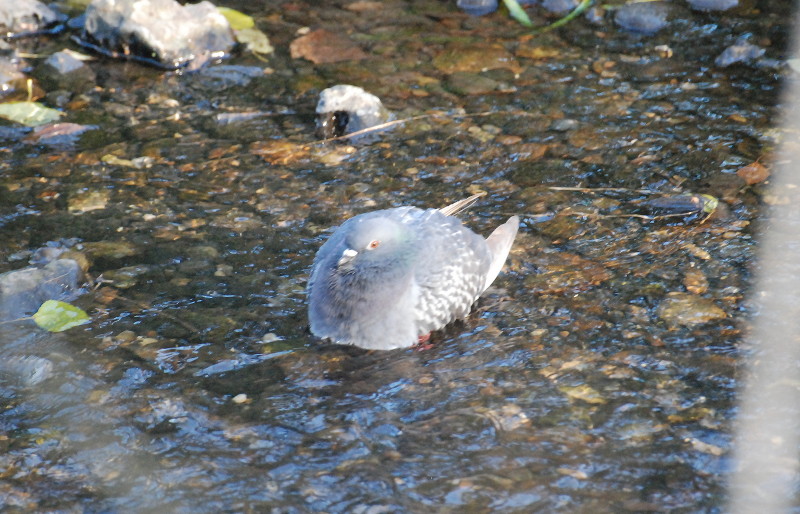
598, 374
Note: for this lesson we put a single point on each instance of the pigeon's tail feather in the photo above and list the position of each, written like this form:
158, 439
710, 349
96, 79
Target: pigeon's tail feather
455, 208
499, 243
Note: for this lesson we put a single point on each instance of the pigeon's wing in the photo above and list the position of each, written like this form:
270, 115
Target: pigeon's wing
461, 205
450, 271
499, 243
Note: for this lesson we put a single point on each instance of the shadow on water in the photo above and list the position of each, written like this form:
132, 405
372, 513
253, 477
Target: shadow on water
598, 373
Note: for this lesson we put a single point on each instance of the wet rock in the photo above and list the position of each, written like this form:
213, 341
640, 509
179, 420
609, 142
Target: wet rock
113, 250
688, 309
160, 32
28, 370
713, 5
644, 18
564, 125
225, 76
62, 70
58, 134
559, 6
742, 52
477, 7
322, 46
12, 80
25, 17
507, 418
23, 291
481, 7
126, 277
344, 109
464, 83
89, 200
475, 58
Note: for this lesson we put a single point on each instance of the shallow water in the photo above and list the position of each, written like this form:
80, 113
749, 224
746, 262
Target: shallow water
598, 374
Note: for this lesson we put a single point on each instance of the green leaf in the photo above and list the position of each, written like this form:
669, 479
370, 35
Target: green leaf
238, 21
710, 203
55, 316
31, 114
254, 40
517, 12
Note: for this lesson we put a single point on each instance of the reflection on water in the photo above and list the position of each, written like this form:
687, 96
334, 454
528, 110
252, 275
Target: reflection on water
598, 374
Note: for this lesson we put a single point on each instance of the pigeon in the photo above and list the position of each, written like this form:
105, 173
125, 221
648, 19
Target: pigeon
386, 279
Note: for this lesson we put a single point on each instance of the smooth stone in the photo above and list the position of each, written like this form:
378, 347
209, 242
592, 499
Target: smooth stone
465, 83
23, 291
742, 52
62, 70
644, 18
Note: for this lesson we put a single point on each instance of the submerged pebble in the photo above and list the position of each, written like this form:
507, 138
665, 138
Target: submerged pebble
644, 18
740, 52
689, 309
24, 290
63, 70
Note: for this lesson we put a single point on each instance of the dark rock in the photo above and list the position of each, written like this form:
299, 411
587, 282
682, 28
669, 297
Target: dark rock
159, 32
645, 17
23, 291
25, 17
62, 70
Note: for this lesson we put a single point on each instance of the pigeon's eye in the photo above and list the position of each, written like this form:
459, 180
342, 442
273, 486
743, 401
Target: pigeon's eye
373, 244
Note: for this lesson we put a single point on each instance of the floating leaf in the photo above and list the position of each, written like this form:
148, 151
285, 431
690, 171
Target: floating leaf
55, 316
237, 20
31, 114
710, 203
517, 12
254, 40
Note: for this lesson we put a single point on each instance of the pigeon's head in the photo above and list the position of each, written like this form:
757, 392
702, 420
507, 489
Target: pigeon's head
375, 243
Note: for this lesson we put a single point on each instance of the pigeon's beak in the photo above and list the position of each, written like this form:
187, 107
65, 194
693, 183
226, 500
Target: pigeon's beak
347, 256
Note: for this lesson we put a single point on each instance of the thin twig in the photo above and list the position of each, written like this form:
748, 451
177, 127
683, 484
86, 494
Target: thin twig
416, 118
602, 189
640, 216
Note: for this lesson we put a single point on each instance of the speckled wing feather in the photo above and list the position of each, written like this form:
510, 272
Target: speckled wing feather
450, 271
